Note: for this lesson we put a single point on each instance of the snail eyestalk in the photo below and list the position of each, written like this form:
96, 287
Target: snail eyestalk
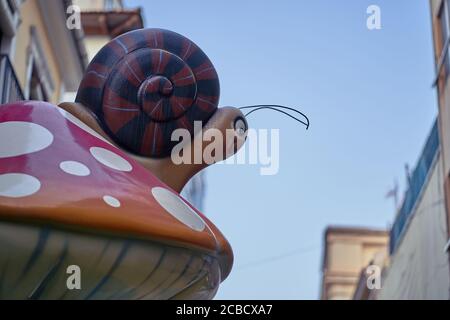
277, 108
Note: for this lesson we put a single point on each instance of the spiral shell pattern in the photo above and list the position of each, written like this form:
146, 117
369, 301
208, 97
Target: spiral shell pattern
145, 84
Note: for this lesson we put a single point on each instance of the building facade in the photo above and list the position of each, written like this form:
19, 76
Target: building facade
346, 254
418, 264
440, 17
40, 58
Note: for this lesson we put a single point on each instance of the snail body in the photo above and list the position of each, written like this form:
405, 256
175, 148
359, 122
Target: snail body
147, 83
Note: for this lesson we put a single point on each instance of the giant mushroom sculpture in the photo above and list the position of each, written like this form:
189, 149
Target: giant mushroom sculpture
69, 197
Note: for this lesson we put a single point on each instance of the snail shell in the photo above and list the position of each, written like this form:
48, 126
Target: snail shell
145, 84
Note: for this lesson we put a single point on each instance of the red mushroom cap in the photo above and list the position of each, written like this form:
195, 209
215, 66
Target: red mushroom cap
56, 170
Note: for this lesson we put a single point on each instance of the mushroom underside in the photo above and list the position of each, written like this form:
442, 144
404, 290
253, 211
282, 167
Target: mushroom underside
37, 262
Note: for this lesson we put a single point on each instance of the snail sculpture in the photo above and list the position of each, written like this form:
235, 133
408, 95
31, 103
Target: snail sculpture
147, 83
144, 85
90, 186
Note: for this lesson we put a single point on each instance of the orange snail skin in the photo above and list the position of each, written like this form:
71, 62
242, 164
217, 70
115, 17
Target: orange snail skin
71, 194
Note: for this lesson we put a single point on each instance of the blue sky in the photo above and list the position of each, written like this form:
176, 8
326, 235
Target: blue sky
368, 95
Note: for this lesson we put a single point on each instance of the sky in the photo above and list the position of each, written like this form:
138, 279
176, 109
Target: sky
370, 100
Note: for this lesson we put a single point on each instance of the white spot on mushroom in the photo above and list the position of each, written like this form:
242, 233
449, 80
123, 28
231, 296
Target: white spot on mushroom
111, 201
20, 137
81, 124
174, 205
17, 185
110, 159
74, 168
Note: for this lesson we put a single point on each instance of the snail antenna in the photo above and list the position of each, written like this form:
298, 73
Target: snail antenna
278, 108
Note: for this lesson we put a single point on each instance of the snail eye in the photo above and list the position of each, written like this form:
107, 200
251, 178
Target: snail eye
240, 126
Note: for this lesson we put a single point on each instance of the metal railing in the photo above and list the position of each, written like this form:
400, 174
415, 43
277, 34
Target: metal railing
417, 182
10, 90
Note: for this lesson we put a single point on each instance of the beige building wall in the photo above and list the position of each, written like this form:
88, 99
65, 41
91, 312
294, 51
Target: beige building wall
419, 267
46, 56
94, 44
347, 252
31, 16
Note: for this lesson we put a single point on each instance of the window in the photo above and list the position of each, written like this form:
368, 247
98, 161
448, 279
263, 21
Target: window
36, 87
10, 16
39, 85
112, 4
10, 20
10, 89
444, 18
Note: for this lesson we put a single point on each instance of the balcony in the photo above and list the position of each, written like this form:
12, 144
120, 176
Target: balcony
417, 182
10, 90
